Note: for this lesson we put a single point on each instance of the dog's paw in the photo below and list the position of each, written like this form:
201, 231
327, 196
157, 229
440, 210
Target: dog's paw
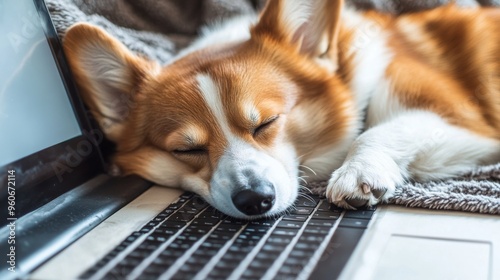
358, 183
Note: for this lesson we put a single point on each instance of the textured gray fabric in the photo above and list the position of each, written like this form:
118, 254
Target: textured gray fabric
160, 29
478, 191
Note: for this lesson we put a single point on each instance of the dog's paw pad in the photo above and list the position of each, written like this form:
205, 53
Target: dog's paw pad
379, 193
356, 202
351, 187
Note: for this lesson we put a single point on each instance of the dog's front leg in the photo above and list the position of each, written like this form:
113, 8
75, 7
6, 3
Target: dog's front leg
416, 145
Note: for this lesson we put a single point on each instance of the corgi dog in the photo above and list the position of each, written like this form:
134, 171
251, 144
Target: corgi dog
306, 91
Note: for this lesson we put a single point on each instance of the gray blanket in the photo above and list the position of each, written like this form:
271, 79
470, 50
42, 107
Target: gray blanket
160, 29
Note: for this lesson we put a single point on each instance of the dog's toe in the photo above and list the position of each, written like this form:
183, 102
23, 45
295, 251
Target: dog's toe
351, 187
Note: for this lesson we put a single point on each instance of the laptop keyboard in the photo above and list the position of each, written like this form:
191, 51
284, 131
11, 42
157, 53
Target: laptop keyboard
192, 240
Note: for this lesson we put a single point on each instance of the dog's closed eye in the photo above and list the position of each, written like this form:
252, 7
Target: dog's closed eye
196, 151
264, 125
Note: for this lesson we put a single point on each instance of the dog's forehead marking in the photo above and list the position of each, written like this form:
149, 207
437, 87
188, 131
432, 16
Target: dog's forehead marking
210, 93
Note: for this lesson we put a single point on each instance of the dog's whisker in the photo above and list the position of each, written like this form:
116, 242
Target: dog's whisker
306, 196
306, 189
303, 180
308, 168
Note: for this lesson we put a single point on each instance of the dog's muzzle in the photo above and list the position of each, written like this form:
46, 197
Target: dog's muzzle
256, 200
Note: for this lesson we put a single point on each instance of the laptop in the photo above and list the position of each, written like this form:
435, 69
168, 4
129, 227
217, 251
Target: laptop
65, 218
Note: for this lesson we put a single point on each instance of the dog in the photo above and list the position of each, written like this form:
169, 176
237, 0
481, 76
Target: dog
306, 91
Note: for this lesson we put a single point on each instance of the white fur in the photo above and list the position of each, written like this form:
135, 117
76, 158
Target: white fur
413, 144
234, 30
399, 144
294, 14
211, 95
371, 55
383, 105
241, 158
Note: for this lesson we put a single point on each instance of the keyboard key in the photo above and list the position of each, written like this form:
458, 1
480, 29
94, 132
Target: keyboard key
327, 207
221, 235
326, 215
211, 245
208, 251
285, 231
234, 221
181, 217
187, 195
205, 222
259, 264
233, 255
266, 223
310, 202
321, 222
257, 229
300, 218
172, 224
157, 238
245, 242
305, 247
311, 239
359, 214
289, 272
165, 213
197, 203
289, 224
302, 211
228, 228
220, 273
118, 272
153, 271
279, 239
190, 268
148, 245
214, 214
146, 229
274, 247
183, 275
250, 236
297, 262
226, 263
254, 272
297, 253
131, 238
317, 229
130, 261
267, 256
138, 253
174, 206
356, 223
202, 230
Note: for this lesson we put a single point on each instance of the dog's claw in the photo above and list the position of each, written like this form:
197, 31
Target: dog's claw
366, 188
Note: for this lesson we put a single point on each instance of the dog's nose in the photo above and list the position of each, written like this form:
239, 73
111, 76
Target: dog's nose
254, 202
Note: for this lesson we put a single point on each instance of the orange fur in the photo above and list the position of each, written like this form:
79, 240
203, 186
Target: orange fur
446, 61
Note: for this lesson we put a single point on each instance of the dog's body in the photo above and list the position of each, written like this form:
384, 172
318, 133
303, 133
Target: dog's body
310, 90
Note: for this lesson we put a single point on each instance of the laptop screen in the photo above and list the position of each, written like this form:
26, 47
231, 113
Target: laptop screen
46, 139
35, 111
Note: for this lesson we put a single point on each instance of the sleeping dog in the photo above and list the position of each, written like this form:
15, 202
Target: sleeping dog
306, 91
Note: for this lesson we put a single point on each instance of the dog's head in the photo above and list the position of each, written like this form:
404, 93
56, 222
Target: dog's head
219, 121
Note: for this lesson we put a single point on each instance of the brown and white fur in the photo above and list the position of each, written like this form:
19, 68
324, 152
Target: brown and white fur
308, 90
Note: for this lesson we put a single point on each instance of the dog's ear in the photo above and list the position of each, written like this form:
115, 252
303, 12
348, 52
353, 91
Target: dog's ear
107, 73
310, 26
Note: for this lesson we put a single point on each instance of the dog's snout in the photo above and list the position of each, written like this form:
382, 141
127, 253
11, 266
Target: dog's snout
255, 201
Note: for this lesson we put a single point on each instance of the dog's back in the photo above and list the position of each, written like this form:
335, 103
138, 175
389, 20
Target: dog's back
453, 54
